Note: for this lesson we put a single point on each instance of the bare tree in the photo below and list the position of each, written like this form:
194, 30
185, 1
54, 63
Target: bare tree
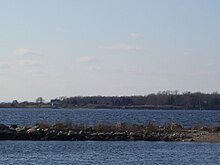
39, 100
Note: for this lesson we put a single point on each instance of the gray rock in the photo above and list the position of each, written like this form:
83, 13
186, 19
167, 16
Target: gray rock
71, 133
3, 127
6, 130
120, 136
136, 136
31, 130
14, 126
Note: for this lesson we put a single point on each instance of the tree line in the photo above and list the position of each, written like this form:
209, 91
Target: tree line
163, 100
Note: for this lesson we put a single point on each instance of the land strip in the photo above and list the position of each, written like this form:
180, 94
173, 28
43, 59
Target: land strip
114, 132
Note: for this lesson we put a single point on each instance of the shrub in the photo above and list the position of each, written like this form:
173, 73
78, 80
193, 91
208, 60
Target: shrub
103, 127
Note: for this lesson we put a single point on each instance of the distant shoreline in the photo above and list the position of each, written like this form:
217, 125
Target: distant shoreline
140, 107
105, 107
161, 100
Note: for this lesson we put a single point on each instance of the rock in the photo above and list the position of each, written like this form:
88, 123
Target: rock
190, 140
174, 137
152, 137
61, 133
81, 132
53, 135
45, 138
71, 133
31, 130
14, 126
165, 138
120, 136
19, 130
108, 135
3, 127
35, 133
104, 136
84, 135
170, 132
101, 134
6, 133
136, 135
46, 130
94, 136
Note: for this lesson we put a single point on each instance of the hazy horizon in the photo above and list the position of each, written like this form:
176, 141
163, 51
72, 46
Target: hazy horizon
58, 48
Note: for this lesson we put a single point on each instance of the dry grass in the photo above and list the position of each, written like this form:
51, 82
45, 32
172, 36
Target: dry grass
43, 125
152, 127
124, 127
171, 127
198, 126
79, 126
68, 124
214, 129
103, 127
128, 127
119, 127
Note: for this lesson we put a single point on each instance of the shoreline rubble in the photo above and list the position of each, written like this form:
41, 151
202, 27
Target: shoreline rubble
102, 132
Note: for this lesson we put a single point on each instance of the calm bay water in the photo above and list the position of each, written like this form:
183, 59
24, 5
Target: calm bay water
28, 152
91, 116
141, 152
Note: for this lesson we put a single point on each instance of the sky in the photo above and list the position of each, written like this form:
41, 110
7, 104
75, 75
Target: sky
54, 48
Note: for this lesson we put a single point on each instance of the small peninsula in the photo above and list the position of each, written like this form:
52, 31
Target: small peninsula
110, 132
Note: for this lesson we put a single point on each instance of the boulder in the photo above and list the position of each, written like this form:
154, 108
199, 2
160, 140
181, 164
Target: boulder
120, 136
6, 130
14, 126
3, 127
94, 136
152, 137
72, 133
136, 135
31, 130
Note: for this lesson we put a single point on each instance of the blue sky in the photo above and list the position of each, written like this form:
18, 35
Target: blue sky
53, 48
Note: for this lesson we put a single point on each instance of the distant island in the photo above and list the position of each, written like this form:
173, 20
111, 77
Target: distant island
161, 100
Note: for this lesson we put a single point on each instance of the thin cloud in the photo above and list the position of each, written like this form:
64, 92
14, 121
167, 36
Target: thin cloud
86, 59
25, 51
30, 63
3, 66
59, 29
211, 64
37, 72
124, 47
116, 69
95, 68
135, 35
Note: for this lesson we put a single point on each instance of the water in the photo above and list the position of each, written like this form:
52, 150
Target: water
35, 153
120, 152
91, 116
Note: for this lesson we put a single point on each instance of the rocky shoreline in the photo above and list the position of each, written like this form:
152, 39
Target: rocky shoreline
104, 132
